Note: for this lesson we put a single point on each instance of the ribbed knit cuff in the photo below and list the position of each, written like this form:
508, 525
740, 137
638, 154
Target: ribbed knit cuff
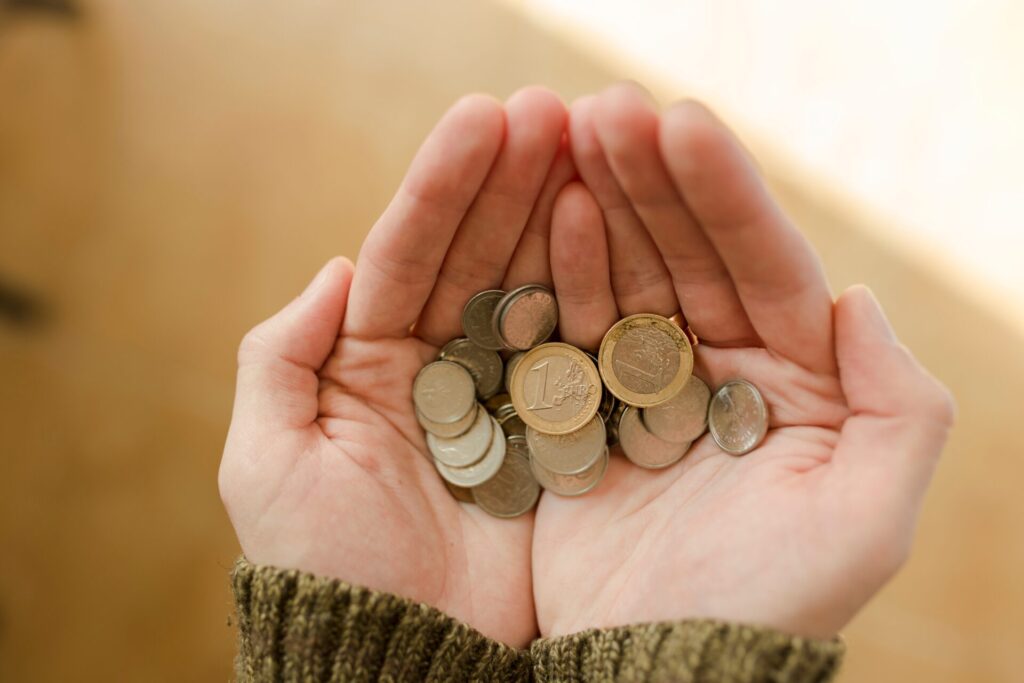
295, 626
700, 650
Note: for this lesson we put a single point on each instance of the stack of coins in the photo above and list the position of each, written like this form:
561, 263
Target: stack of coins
507, 412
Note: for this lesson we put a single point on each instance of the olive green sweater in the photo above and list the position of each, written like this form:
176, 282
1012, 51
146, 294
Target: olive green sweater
299, 627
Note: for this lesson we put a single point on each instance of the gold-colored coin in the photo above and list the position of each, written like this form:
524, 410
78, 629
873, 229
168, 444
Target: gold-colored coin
511, 492
555, 388
645, 359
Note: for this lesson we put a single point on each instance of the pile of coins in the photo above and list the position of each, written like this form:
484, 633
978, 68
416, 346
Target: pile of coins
508, 412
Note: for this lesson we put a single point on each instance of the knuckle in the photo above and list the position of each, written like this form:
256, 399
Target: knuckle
251, 347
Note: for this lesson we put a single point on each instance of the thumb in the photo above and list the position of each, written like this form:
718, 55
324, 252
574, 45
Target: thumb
279, 358
901, 415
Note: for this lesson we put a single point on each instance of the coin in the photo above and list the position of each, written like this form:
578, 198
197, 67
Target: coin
570, 484
477, 316
450, 430
511, 492
485, 366
682, 418
510, 366
479, 472
525, 317
642, 447
738, 417
612, 424
459, 493
444, 392
608, 405
556, 389
568, 453
497, 402
466, 449
512, 424
645, 359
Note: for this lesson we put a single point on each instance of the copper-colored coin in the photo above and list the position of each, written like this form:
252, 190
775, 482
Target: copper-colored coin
682, 418
477, 317
642, 447
479, 472
571, 484
466, 449
645, 359
568, 453
459, 493
484, 366
525, 317
556, 389
738, 417
444, 392
511, 492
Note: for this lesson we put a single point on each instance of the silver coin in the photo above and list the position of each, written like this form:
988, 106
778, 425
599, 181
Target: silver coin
466, 449
510, 367
485, 366
513, 491
525, 317
642, 447
738, 417
569, 453
479, 472
570, 484
444, 392
450, 430
682, 418
477, 316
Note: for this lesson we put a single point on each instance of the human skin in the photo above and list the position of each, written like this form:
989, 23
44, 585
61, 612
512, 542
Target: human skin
326, 470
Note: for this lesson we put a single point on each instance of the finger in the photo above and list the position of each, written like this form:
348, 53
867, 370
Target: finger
531, 262
627, 127
639, 277
278, 359
901, 414
579, 268
401, 257
483, 246
776, 272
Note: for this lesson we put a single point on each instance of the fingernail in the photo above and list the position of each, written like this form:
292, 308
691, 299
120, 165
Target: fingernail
877, 316
318, 281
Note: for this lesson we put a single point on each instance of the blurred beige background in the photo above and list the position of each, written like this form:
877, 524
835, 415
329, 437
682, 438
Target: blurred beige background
173, 172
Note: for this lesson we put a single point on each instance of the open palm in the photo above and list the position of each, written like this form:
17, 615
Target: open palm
326, 468
799, 533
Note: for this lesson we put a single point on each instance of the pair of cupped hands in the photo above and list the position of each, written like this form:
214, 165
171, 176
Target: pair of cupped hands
622, 209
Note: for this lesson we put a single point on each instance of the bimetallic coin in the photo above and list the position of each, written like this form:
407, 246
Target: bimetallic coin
510, 366
466, 449
642, 447
485, 366
477, 317
570, 484
512, 425
556, 389
459, 493
738, 417
444, 392
568, 453
525, 317
682, 418
478, 473
511, 492
645, 359
450, 430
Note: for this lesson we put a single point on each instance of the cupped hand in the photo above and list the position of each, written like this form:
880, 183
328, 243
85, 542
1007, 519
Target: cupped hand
799, 533
325, 467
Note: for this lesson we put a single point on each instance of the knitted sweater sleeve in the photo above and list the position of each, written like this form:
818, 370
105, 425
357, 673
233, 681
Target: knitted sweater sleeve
295, 626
